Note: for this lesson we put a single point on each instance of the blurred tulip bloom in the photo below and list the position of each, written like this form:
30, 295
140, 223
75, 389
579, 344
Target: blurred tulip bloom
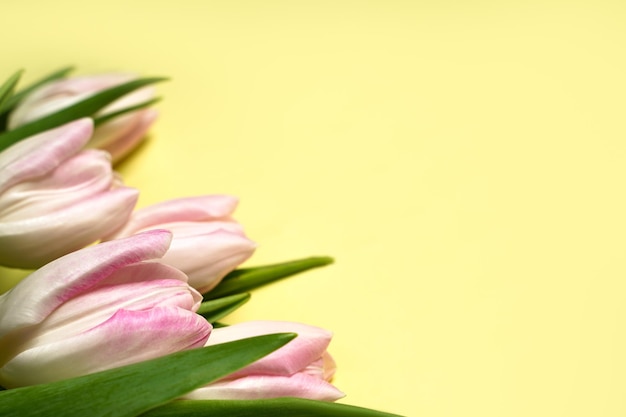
207, 242
302, 368
118, 136
98, 308
56, 198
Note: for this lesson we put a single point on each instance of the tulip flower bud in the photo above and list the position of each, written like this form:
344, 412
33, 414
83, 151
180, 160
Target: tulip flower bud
118, 136
101, 307
55, 198
302, 368
207, 242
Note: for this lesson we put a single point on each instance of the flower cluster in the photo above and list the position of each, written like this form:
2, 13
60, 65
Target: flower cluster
134, 294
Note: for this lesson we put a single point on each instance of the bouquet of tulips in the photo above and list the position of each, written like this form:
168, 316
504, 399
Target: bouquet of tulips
122, 313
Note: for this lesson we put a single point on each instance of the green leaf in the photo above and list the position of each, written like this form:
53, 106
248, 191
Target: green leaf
20, 95
134, 389
220, 307
87, 107
6, 89
105, 118
279, 407
246, 279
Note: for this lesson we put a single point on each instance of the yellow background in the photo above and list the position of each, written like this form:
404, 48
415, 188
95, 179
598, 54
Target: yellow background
463, 161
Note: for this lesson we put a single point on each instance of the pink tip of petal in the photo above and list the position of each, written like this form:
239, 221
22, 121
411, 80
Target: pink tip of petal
36, 156
126, 337
73, 274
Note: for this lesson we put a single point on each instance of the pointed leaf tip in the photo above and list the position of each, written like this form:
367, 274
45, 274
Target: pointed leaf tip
7, 88
246, 279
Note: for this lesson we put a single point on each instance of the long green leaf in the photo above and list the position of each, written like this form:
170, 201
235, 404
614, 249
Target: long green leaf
7, 88
134, 389
246, 279
20, 95
105, 118
84, 108
279, 407
220, 307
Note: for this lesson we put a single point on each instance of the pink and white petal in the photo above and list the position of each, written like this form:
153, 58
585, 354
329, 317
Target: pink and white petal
102, 301
114, 129
316, 369
190, 209
206, 259
204, 280
34, 157
323, 368
265, 386
183, 229
78, 178
295, 356
141, 273
37, 295
127, 337
33, 242
119, 139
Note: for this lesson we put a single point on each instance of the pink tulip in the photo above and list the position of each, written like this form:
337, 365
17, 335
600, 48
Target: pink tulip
207, 243
302, 368
55, 198
117, 136
98, 308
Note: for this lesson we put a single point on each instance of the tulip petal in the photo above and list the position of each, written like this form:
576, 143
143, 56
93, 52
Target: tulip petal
140, 335
43, 291
222, 251
32, 242
34, 157
138, 287
265, 386
183, 229
295, 356
78, 178
190, 209
329, 366
122, 134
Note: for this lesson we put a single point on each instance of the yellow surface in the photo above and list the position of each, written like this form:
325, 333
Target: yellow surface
463, 161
